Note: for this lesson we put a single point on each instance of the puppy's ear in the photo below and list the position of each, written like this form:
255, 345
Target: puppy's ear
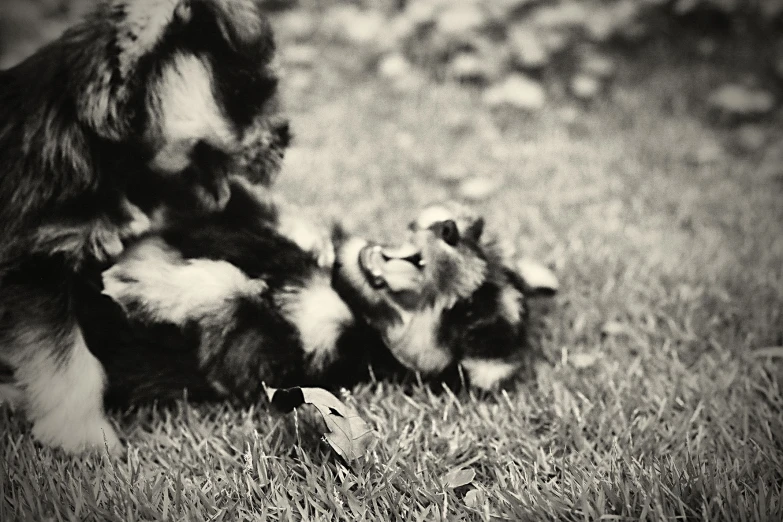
109, 55
242, 26
340, 234
474, 230
533, 279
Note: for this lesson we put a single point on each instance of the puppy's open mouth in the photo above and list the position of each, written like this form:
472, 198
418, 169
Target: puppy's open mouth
398, 269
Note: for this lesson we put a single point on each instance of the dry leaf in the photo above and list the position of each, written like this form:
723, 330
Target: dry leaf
459, 477
474, 498
583, 360
348, 434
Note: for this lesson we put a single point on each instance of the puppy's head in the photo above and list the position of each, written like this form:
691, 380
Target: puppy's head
180, 88
444, 297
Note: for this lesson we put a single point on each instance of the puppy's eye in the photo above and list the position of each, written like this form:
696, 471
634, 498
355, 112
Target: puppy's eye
448, 232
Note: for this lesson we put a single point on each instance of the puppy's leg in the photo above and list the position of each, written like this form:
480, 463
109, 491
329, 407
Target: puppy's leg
60, 381
64, 395
152, 282
100, 238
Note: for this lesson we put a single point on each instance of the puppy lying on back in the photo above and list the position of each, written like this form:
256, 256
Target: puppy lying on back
145, 104
227, 303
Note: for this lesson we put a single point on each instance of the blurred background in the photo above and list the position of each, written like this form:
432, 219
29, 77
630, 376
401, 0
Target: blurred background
523, 54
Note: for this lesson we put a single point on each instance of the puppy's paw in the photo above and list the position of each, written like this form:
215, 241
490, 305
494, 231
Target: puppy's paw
317, 240
152, 282
213, 197
136, 223
75, 436
104, 241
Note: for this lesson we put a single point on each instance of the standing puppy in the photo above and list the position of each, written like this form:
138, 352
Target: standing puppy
145, 104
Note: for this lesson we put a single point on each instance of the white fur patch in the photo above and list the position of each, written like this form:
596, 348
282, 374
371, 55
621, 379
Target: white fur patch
183, 105
487, 373
511, 304
154, 280
320, 316
65, 400
414, 341
537, 276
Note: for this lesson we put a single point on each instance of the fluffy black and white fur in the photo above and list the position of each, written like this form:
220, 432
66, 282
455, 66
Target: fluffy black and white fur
227, 303
145, 105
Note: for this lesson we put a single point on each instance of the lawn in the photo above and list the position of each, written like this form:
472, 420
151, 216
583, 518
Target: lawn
657, 395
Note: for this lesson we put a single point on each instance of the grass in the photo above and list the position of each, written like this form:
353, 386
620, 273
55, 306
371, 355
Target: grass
659, 394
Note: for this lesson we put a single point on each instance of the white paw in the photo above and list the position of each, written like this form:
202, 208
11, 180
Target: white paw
104, 242
138, 222
310, 238
75, 436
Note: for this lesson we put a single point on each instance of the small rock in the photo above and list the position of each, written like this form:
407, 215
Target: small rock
598, 65
462, 18
517, 91
613, 328
470, 68
300, 55
585, 87
563, 15
478, 188
421, 13
406, 141
601, 25
612, 20
741, 102
298, 24
351, 24
401, 29
394, 66
528, 50
751, 138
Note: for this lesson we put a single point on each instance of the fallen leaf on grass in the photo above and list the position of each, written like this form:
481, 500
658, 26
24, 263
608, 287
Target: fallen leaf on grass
459, 477
583, 360
474, 498
348, 434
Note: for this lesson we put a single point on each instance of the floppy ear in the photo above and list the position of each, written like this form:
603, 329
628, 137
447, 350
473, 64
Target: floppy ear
107, 59
242, 26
